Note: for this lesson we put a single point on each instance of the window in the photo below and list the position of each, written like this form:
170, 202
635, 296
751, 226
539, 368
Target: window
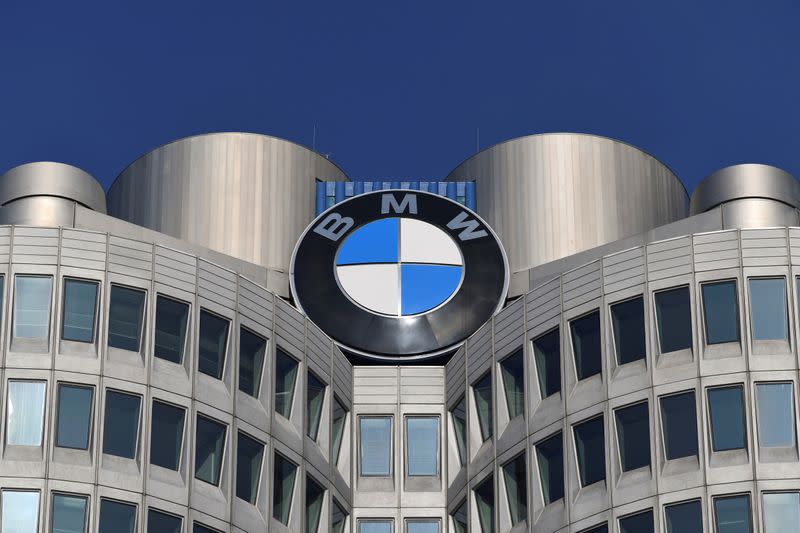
726, 409
674, 317
679, 425
315, 395
80, 302
483, 403
547, 354
159, 522
32, 307
550, 456
121, 431
23, 506
74, 416
284, 472
117, 517
374, 526
460, 521
484, 500
775, 420
459, 416
251, 361
422, 526
172, 317
781, 512
602, 528
721, 312
637, 523
213, 344
200, 528
315, 496
627, 319
768, 309
338, 517
285, 379
514, 473
339, 418
375, 440
249, 454
25, 414
586, 345
166, 435
684, 517
732, 514
633, 435
125, 318
69, 513
591, 450
512, 370
210, 449
422, 445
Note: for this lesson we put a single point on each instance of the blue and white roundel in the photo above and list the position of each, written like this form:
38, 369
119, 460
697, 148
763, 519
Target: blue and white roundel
399, 266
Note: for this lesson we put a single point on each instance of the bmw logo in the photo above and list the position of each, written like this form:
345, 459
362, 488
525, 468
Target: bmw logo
399, 274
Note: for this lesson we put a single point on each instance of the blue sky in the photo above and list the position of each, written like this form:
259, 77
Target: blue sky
398, 89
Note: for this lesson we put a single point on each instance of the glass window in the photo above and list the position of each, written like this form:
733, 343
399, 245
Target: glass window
374, 526
684, 517
74, 416
285, 379
69, 513
782, 512
586, 345
172, 317
251, 361
117, 517
459, 415
602, 528
166, 435
550, 456
512, 370
721, 312
674, 318
768, 309
284, 472
315, 496
726, 408
338, 517
200, 528
422, 526
637, 523
32, 307
315, 395
249, 454
732, 514
483, 404
627, 319
213, 344
775, 419
80, 302
20, 512
679, 425
633, 435
591, 450
375, 441
339, 418
514, 473
125, 318
422, 445
158, 522
547, 354
210, 450
460, 521
25, 416
484, 500
121, 431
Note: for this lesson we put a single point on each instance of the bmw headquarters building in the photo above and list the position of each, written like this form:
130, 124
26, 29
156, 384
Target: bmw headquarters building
554, 337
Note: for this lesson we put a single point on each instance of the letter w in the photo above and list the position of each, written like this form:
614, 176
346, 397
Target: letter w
468, 226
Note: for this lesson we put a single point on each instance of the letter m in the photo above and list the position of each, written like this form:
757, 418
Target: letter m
409, 202
468, 226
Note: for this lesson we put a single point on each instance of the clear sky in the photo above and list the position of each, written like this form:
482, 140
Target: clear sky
398, 89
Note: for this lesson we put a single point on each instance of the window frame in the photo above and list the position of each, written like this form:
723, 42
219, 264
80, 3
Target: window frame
757, 429
519, 352
7, 418
737, 310
391, 418
699, 501
18, 490
462, 448
657, 319
57, 416
482, 431
137, 441
615, 411
297, 373
227, 430
261, 468
136, 518
423, 520
663, 432
226, 353
86, 512
25, 343
571, 322
503, 473
360, 521
321, 414
787, 340
186, 411
615, 342
140, 336
715, 497
574, 427
265, 358
165, 513
186, 332
95, 314
406, 441
541, 373
546, 499
710, 414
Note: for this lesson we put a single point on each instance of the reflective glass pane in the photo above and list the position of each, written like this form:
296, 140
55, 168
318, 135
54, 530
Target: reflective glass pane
627, 319
285, 380
200, 528
251, 361
512, 370
721, 312
550, 456
171, 319
732, 514
684, 517
166, 435
74, 416
338, 518
375, 526
422, 526
249, 454
591, 450
209, 451
514, 475
674, 317
638, 523
422, 445
80, 302
315, 395
20, 513
726, 407
158, 522
375, 443
483, 404
284, 472
25, 416
586, 345
460, 520
32, 307
602, 528
213, 344
633, 435
768, 309
547, 354
679, 425
459, 414
775, 419
69, 514
117, 517
339, 418
484, 500
125, 318
315, 496
121, 424
782, 512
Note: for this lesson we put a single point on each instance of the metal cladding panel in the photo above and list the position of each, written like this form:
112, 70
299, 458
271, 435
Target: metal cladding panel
422, 385
5, 244
318, 352
255, 303
175, 269
669, 258
509, 328
479, 352
83, 249
455, 374
582, 285
290, 325
378, 385
342, 377
216, 284
130, 258
623, 270
764, 247
794, 244
543, 303
714, 251
37, 246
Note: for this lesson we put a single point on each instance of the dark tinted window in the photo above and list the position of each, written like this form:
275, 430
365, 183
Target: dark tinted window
69, 513
285, 381
732, 514
679, 424
514, 474
158, 522
628, 320
338, 517
171, 319
209, 450
483, 404
684, 517
32, 307
339, 419
121, 430
125, 318
484, 500
512, 370
547, 354
550, 455
251, 361
633, 434
213, 344
459, 414
74, 416
284, 472
166, 435
315, 395
721, 312
768, 309
117, 517
638, 523
249, 454
674, 317
586, 345
315, 496
726, 406
591, 450
602, 528
80, 302
200, 528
